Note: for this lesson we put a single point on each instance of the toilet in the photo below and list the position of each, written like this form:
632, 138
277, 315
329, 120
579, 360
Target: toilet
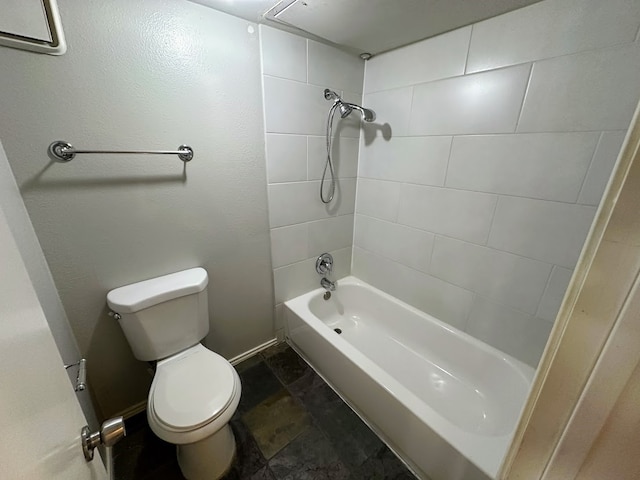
195, 391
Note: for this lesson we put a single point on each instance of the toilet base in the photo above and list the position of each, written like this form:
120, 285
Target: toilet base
210, 458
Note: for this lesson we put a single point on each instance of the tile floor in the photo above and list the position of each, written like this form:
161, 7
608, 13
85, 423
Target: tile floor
289, 425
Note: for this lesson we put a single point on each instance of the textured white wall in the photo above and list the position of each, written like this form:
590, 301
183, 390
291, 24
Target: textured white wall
295, 73
504, 134
145, 75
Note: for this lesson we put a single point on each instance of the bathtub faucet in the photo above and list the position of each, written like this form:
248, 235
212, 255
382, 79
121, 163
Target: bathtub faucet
328, 284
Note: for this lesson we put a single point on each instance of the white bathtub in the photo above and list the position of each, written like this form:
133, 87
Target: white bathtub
445, 402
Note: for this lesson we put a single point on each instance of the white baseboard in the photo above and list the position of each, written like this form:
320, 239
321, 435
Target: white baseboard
250, 353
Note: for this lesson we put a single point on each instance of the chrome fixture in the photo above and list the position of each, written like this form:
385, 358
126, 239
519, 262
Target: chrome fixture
115, 315
324, 264
110, 433
366, 56
328, 284
345, 110
62, 151
81, 377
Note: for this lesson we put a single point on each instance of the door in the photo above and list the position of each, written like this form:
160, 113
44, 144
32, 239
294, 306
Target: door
40, 417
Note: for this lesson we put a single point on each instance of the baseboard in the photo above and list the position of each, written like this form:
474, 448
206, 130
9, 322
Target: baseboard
250, 353
133, 410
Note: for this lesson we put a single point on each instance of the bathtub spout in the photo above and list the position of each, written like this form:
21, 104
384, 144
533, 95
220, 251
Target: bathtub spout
328, 284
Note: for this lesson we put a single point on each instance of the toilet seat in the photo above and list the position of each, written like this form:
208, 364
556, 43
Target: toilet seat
194, 393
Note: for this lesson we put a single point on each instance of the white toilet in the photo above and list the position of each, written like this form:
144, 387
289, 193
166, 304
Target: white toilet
195, 391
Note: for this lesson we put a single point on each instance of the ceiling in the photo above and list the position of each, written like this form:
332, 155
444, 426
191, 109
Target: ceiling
371, 26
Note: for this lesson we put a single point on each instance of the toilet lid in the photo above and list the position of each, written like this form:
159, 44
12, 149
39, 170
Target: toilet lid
192, 388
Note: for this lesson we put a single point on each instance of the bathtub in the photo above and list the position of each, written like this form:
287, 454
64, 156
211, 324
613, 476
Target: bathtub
444, 402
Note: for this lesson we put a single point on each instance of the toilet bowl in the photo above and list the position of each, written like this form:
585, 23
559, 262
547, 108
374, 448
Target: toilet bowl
193, 396
195, 391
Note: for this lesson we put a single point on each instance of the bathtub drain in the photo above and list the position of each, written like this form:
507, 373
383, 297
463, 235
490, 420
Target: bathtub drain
337, 330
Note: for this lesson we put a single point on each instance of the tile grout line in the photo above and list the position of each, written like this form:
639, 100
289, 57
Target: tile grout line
466, 59
524, 98
544, 292
586, 174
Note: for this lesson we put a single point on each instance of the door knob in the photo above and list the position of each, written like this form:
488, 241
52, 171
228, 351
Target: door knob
110, 433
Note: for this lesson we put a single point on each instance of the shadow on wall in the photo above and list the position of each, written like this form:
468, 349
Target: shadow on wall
38, 182
105, 360
370, 131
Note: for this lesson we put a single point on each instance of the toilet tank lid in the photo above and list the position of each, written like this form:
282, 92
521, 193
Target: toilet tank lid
138, 296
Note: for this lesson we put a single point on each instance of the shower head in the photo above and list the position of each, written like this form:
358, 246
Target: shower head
346, 108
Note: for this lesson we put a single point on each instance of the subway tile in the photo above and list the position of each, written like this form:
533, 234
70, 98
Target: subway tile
289, 245
291, 203
283, 54
393, 108
294, 107
550, 29
330, 234
548, 166
472, 104
444, 301
298, 278
509, 330
297, 202
554, 293
548, 231
406, 245
378, 199
509, 279
333, 68
344, 156
588, 91
455, 213
286, 158
421, 160
439, 57
601, 167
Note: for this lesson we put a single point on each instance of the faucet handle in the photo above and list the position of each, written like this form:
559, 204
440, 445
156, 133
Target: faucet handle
324, 264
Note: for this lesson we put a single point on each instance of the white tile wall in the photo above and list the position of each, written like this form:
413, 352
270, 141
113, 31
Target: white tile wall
409, 246
515, 280
446, 302
548, 231
595, 90
554, 293
295, 73
533, 126
481, 103
550, 29
286, 158
456, 213
392, 107
478, 181
378, 199
601, 167
283, 54
509, 330
420, 160
441, 57
521, 164
332, 67
344, 156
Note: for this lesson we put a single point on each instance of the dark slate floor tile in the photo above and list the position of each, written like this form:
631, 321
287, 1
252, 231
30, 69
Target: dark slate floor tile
308, 457
141, 451
249, 459
309, 380
258, 383
168, 472
352, 438
275, 422
383, 465
287, 365
248, 363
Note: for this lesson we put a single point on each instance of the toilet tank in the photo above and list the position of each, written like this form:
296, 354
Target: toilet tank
163, 315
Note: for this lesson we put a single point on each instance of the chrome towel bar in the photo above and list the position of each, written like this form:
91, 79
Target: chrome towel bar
62, 151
